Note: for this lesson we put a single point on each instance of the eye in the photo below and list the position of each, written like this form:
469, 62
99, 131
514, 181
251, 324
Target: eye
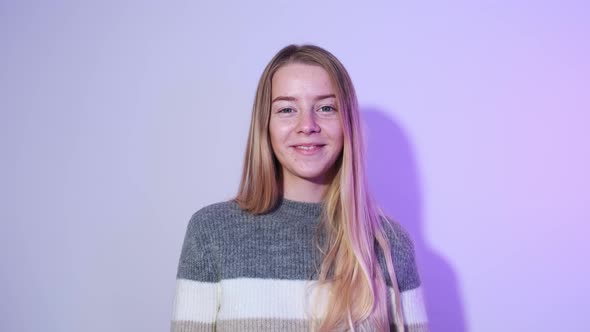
327, 109
286, 110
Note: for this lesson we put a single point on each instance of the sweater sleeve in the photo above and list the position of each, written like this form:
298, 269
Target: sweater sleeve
196, 300
408, 278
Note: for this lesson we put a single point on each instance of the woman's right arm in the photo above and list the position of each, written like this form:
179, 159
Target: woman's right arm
196, 300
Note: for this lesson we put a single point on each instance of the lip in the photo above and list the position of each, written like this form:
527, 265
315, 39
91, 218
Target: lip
310, 148
307, 144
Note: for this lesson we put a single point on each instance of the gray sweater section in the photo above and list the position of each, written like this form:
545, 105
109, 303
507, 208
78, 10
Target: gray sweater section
224, 242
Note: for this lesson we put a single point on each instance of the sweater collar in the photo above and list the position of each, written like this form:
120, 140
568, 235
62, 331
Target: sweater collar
304, 209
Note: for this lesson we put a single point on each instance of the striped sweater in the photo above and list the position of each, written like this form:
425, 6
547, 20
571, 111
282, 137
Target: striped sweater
244, 272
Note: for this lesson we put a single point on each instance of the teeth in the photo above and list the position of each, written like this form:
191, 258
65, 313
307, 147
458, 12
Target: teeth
306, 147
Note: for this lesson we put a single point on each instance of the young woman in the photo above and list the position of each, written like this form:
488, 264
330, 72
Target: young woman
302, 247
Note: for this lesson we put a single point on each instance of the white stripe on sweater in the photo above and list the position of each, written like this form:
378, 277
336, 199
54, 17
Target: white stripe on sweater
413, 306
195, 301
262, 298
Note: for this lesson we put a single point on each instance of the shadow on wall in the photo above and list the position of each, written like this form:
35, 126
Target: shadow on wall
394, 180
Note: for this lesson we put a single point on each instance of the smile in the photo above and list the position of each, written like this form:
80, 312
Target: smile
308, 149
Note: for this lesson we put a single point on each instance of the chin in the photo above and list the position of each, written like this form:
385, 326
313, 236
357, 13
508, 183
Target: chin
313, 176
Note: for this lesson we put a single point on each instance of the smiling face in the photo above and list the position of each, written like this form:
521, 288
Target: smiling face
305, 130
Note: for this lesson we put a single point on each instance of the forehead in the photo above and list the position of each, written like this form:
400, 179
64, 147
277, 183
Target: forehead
298, 79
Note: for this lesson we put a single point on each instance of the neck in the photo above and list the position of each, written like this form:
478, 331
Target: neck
302, 190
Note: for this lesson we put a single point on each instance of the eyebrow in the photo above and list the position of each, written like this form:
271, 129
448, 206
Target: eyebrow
289, 98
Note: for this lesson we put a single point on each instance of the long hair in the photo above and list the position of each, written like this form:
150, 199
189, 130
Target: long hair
351, 221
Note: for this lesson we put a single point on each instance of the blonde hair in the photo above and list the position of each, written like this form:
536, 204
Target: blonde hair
352, 222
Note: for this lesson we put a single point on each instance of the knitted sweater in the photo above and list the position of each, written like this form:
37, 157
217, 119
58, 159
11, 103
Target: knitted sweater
244, 272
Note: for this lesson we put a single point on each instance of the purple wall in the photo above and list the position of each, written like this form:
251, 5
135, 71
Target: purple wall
119, 120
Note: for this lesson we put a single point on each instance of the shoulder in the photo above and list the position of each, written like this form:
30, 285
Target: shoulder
213, 214
399, 238
198, 258
221, 209
403, 254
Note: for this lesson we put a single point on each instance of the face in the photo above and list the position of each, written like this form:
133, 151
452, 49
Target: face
305, 130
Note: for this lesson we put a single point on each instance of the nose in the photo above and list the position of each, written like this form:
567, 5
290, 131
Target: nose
308, 123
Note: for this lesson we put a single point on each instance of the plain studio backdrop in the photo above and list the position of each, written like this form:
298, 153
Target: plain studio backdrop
121, 119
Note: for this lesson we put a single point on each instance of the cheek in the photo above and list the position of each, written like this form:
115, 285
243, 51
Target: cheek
276, 133
337, 134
